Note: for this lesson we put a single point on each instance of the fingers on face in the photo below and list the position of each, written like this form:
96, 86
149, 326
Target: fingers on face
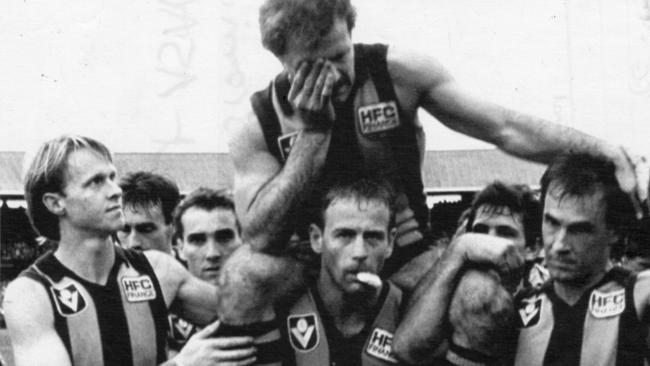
313, 84
299, 79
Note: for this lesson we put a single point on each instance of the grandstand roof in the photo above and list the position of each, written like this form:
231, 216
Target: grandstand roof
443, 171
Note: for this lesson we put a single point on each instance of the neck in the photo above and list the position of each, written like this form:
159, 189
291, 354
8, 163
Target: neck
91, 257
571, 292
342, 306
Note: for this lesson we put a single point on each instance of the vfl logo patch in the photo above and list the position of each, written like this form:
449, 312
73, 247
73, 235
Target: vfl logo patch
378, 117
285, 142
529, 312
380, 345
180, 329
69, 300
604, 305
138, 289
303, 332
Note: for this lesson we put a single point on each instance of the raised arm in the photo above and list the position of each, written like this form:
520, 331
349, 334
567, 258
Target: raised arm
30, 322
516, 133
267, 193
424, 327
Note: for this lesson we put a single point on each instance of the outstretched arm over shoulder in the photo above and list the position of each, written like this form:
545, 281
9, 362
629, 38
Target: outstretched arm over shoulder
519, 134
30, 322
198, 299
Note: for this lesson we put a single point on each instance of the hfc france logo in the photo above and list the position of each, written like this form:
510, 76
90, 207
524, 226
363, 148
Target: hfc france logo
68, 300
303, 332
604, 305
378, 117
138, 289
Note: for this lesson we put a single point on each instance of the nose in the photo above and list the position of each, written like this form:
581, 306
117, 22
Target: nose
133, 240
115, 192
214, 250
559, 243
359, 249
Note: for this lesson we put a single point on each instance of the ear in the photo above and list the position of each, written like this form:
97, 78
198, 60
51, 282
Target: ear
316, 238
180, 247
392, 234
55, 203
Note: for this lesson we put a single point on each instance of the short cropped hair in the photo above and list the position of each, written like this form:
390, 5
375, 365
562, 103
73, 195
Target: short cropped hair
361, 190
305, 21
581, 174
206, 199
48, 173
518, 198
145, 190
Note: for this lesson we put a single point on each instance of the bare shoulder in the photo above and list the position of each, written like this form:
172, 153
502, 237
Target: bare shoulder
247, 137
415, 69
642, 293
169, 271
27, 308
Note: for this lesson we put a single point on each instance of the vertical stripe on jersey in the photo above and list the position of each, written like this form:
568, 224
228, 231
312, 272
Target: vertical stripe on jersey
113, 325
85, 340
533, 340
600, 340
140, 324
565, 344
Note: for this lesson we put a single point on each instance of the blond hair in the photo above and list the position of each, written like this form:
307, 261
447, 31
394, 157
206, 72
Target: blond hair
47, 173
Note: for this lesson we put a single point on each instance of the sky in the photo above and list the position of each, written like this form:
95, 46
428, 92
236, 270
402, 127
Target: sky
176, 75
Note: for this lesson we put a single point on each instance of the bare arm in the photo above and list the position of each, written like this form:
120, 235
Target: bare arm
198, 298
423, 329
30, 323
266, 193
251, 283
516, 133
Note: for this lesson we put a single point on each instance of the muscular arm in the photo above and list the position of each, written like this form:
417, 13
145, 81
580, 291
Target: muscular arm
422, 81
198, 298
424, 328
266, 193
30, 323
251, 283
516, 133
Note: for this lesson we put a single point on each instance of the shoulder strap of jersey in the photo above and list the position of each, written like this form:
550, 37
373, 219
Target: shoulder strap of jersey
262, 103
404, 139
632, 332
158, 307
35, 272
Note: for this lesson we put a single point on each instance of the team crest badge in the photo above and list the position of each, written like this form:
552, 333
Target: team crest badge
380, 345
69, 300
378, 117
285, 142
529, 312
180, 329
604, 305
303, 332
138, 289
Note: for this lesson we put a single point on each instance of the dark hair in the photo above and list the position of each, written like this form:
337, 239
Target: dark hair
361, 190
580, 174
145, 189
48, 173
518, 198
206, 199
306, 21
